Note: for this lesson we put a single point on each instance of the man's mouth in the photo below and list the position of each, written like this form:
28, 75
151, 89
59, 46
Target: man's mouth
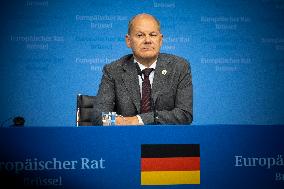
147, 48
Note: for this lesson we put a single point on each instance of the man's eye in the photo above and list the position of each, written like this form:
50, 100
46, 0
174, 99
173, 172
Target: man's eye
139, 35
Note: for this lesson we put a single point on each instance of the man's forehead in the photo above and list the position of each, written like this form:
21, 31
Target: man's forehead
145, 30
144, 23
145, 26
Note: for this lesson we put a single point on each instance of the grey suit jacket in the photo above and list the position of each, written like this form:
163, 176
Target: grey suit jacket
119, 91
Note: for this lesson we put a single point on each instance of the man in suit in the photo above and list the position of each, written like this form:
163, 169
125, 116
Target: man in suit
169, 84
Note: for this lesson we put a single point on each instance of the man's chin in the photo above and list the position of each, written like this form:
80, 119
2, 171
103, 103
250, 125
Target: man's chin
149, 56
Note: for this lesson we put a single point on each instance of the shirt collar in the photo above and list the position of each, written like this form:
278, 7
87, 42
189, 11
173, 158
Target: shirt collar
142, 67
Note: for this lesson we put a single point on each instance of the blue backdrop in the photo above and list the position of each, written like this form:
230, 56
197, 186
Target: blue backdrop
52, 50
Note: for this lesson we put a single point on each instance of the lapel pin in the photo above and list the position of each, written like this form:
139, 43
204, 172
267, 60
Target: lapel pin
164, 72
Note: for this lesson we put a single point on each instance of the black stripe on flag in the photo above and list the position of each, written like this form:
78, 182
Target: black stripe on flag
169, 150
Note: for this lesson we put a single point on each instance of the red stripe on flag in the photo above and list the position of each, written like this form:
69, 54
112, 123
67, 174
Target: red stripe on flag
170, 164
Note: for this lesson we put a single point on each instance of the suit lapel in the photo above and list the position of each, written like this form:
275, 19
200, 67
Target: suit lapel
160, 77
130, 79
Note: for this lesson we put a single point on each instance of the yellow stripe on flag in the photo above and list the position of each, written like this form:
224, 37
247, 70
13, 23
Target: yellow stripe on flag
170, 177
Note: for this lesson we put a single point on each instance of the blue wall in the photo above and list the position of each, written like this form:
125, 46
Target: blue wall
52, 50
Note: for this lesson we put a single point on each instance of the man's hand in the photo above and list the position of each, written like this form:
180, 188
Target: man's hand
120, 120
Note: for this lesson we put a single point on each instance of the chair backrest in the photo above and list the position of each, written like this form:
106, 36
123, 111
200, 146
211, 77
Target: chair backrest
85, 110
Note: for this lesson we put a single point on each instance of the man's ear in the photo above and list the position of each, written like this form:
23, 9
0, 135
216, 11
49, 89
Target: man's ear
128, 41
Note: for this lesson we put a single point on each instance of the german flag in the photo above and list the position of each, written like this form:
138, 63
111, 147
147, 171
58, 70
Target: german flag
170, 164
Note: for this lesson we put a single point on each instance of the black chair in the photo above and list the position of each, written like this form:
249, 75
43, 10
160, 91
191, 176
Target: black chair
85, 110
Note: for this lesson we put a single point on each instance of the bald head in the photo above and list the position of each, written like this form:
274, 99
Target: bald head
141, 17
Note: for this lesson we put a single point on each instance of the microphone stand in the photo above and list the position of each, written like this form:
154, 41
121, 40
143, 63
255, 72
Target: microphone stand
79, 96
154, 111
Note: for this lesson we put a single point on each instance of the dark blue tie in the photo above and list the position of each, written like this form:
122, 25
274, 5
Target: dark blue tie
146, 91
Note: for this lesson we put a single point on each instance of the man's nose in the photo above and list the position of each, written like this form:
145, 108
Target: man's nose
147, 39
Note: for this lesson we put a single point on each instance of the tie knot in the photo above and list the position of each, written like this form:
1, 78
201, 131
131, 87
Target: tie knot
147, 71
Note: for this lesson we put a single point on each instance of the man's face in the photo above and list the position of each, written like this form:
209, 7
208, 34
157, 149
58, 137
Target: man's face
144, 39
